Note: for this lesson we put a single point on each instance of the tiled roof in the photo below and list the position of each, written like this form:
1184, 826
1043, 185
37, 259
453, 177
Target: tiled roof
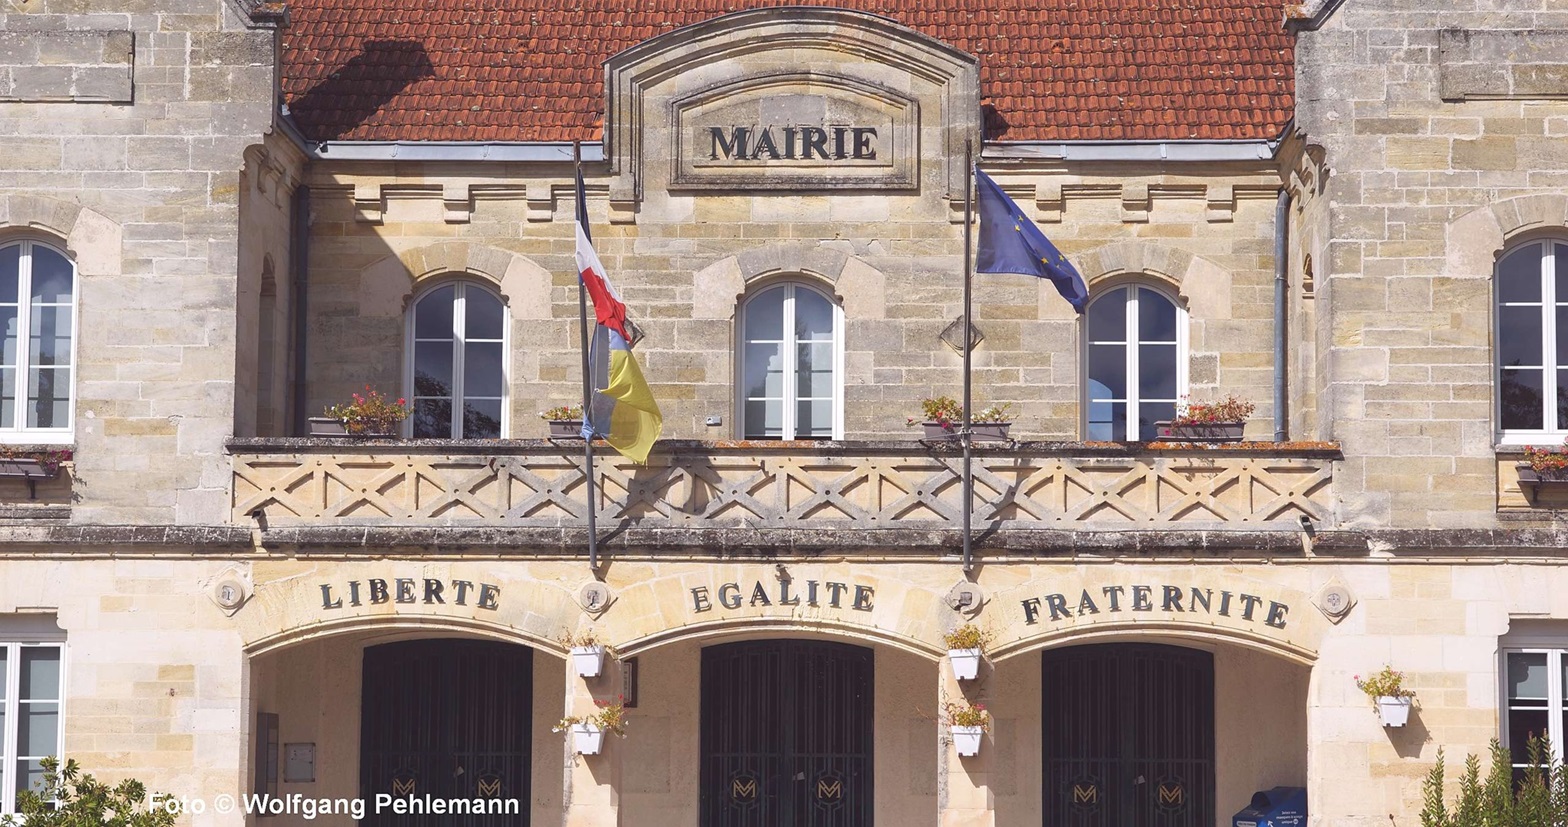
532, 70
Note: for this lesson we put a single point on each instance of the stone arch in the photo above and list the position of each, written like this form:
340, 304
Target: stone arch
1175, 632
386, 286
1478, 237
860, 288
720, 631
420, 625
1202, 285
91, 239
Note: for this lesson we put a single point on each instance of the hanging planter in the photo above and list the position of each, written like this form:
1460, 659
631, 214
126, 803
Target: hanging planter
588, 661
966, 722
967, 739
1389, 696
965, 645
588, 730
1395, 711
966, 663
587, 739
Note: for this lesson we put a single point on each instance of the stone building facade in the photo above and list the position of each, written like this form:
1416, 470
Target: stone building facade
1351, 214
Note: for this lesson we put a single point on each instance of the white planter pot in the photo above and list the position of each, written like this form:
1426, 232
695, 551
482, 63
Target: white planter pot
966, 663
587, 738
1393, 711
588, 661
967, 739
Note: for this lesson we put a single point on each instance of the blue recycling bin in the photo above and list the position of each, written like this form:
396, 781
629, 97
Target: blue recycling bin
1279, 807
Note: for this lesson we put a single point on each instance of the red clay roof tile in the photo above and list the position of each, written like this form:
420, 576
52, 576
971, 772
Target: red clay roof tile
532, 70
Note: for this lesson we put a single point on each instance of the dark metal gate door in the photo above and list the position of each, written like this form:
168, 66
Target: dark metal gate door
448, 719
786, 735
1128, 736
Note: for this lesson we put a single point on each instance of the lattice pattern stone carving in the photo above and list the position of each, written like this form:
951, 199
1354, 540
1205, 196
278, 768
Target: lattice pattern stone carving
733, 487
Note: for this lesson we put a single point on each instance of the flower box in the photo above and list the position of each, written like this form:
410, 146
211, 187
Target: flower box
588, 661
327, 426
587, 739
967, 739
980, 431
1534, 486
966, 663
1394, 711
989, 431
1201, 432
940, 431
566, 428
27, 468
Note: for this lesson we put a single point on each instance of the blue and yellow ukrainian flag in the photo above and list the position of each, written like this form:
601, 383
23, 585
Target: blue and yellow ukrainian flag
623, 412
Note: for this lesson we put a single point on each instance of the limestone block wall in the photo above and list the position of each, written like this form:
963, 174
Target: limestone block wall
1442, 131
155, 676
893, 261
122, 130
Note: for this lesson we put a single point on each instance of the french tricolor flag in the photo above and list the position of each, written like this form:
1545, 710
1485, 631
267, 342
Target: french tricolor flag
607, 305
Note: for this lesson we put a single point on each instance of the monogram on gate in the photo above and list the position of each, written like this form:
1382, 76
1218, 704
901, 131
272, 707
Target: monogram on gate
403, 786
744, 789
1086, 794
1170, 795
830, 789
489, 786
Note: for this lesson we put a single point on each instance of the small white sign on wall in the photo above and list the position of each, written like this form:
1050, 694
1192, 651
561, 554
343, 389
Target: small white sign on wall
299, 763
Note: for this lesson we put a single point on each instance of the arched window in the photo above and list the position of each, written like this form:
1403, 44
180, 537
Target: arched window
792, 356
1532, 341
1136, 362
457, 365
37, 313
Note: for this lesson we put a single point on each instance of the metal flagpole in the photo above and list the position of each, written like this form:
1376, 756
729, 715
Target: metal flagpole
582, 317
969, 480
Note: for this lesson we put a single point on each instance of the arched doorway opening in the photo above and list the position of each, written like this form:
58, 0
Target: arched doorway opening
373, 718
448, 719
1128, 735
787, 734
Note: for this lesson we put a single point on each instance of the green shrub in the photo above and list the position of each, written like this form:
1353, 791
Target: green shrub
1540, 799
71, 799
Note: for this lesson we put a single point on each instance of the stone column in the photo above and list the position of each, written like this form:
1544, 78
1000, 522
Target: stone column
592, 794
968, 802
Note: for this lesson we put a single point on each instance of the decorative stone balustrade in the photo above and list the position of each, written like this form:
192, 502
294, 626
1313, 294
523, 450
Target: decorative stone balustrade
772, 485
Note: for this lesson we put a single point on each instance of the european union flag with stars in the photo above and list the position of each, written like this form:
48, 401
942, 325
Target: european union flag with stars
1011, 243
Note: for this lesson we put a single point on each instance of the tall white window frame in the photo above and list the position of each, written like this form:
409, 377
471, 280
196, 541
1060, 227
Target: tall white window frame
462, 371
24, 318
1530, 313
1099, 418
20, 700
787, 345
1522, 707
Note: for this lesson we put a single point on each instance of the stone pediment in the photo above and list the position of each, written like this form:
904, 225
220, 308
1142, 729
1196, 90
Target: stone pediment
790, 100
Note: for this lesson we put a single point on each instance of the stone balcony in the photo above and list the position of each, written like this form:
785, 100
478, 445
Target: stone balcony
785, 496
